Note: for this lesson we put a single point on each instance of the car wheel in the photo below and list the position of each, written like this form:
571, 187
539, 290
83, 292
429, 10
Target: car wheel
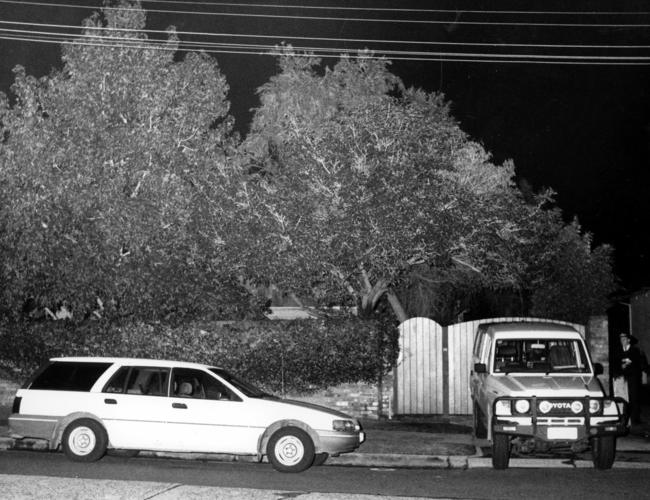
320, 459
500, 451
84, 440
603, 451
480, 429
290, 450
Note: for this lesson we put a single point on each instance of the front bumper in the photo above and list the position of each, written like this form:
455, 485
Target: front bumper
565, 427
336, 443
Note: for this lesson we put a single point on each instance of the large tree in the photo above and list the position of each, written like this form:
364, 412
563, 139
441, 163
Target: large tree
360, 179
114, 184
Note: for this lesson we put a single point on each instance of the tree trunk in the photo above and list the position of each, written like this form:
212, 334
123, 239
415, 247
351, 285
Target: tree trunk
396, 306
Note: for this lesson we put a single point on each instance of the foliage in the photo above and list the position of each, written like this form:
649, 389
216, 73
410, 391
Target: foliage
105, 173
361, 179
571, 278
279, 356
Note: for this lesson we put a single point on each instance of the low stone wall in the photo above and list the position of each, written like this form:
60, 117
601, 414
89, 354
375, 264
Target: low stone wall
358, 400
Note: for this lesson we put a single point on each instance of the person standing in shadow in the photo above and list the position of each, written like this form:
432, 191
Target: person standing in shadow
631, 363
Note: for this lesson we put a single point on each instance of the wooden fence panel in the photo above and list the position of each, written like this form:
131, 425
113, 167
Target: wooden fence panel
418, 385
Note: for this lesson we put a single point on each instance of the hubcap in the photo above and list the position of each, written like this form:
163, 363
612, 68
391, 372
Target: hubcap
82, 441
289, 450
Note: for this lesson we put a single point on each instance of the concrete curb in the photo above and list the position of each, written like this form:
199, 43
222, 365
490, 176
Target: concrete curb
380, 460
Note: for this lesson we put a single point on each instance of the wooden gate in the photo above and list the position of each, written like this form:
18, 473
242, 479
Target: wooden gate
432, 371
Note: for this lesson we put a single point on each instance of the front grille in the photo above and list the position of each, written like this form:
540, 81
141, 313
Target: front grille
560, 407
561, 421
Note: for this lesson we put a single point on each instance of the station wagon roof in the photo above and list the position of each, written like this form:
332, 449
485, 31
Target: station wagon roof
133, 361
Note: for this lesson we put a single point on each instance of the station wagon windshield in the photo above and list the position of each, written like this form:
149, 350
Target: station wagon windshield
540, 356
246, 388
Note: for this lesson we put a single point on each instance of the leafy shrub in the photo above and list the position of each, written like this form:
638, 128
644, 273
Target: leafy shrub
281, 356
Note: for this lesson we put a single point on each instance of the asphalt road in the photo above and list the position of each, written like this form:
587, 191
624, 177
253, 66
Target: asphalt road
438, 483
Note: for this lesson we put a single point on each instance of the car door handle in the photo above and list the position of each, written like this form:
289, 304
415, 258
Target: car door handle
179, 405
110, 401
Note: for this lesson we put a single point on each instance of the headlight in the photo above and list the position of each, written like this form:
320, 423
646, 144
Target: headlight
522, 406
345, 426
609, 407
502, 408
594, 406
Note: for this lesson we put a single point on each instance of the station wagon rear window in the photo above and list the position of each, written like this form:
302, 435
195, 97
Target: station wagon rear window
69, 376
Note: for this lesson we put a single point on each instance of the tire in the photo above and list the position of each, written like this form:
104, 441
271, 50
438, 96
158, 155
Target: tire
320, 459
480, 429
290, 450
603, 451
500, 451
84, 440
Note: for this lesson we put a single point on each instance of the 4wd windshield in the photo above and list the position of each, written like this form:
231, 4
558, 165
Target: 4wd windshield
540, 356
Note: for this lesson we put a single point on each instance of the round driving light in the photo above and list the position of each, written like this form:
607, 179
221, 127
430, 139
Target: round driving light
522, 406
576, 407
545, 406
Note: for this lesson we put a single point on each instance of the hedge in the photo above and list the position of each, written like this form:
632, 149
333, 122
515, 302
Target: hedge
285, 356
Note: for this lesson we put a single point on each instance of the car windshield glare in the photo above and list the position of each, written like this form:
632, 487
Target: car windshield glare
248, 389
540, 356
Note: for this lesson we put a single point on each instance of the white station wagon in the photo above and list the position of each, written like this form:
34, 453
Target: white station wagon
89, 405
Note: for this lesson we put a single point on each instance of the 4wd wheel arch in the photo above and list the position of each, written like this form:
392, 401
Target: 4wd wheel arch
264, 438
57, 434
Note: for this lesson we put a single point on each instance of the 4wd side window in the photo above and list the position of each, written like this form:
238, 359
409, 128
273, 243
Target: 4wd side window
147, 380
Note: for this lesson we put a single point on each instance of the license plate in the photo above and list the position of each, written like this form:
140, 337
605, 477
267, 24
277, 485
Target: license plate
562, 433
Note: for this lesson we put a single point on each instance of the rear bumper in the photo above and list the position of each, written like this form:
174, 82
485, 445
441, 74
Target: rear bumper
33, 426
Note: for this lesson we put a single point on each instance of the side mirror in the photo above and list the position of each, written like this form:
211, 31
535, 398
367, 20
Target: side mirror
598, 369
480, 368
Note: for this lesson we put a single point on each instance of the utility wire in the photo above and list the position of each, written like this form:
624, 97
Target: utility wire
399, 55
329, 39
395, 9
346, 19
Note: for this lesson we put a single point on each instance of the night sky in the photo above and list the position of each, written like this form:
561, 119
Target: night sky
581, 129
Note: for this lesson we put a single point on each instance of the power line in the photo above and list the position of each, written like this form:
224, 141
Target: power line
331, 39
348, 19
264, 49
394, 9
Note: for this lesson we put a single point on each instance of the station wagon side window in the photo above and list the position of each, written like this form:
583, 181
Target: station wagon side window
141, 380
68, 376
197, 384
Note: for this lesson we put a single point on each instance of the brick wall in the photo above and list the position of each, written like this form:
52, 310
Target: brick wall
358, 400
598, 342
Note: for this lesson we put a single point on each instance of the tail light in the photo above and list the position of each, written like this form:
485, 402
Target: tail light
16, 406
